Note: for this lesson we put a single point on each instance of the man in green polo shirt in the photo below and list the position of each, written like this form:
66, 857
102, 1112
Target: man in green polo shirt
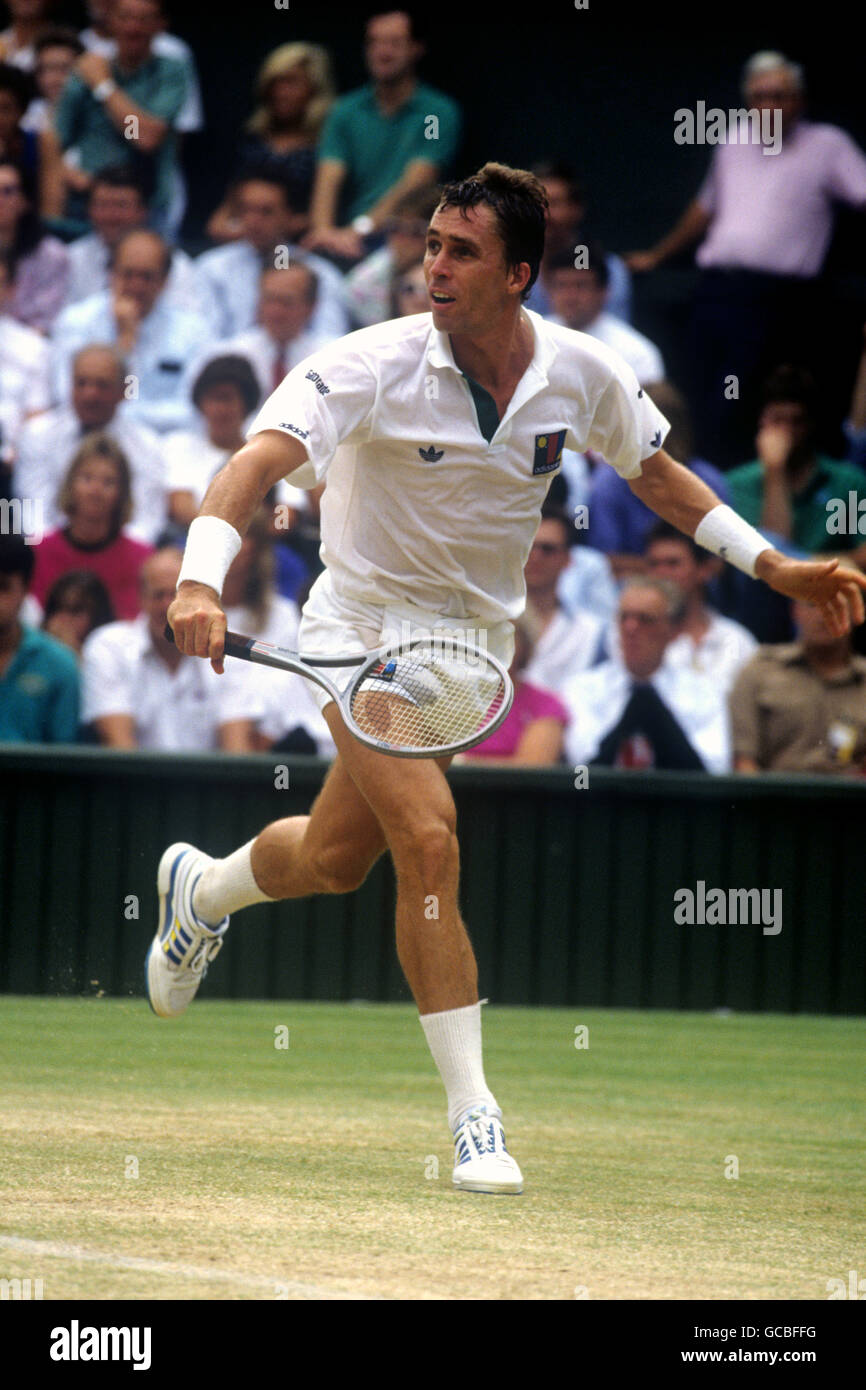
38, 677
791, 489
380, 141
123, 110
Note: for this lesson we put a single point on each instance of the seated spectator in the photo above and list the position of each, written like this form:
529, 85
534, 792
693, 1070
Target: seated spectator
706, 642
140, 692
157, 340
100, 37
290, 718
579, 298
47, 443
283, 334
801, 706
295, 91
100, 97
225, 393
57, 49
789, 488
76, 604
531, 734
408, 292
566, 207
116, 205
25, 387
637, 711
19, 43
370, 286
564, 643
376, 143
40, 264
95, 498
619, 522
38, 676
230, 275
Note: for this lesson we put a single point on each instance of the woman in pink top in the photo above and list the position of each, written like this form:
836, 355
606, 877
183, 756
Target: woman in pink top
532, 733
96, 498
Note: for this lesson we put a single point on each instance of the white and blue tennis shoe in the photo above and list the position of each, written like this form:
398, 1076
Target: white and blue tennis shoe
184, 946
481, 1161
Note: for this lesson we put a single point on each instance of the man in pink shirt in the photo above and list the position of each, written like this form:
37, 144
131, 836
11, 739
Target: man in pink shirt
764, 219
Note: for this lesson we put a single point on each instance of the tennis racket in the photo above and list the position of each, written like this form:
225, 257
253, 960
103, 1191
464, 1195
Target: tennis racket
426, 698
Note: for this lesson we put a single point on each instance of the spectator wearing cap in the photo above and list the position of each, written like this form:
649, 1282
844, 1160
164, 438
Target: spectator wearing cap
157, 340
39, 688
635, 710
47, 443
269, 223
801, 706
95, 500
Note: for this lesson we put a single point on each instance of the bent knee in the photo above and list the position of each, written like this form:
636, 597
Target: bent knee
339, 871
428, 848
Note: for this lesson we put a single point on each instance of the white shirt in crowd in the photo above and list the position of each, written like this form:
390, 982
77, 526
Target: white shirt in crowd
89, 274
420, 509
25, 382
47, 444
724, 649
597, 698
230, 276
192, 462
285, 698
567, 645
263, 353
588, 585
181, 710
639, 351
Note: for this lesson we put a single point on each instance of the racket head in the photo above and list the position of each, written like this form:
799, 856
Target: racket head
428, 698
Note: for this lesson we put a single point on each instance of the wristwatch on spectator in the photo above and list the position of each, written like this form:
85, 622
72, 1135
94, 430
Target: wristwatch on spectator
105, 89
363, 225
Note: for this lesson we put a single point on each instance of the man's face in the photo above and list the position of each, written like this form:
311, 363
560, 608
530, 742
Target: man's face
224, 410
139, 272
159, 576
97, 389
576, 297
284, 309
792, 418
549, 555
672, 560
12, 594
771, 91
464, 264
390, 50
263, 215
644, 630
564, 212
135, 25
53, 66
114, 211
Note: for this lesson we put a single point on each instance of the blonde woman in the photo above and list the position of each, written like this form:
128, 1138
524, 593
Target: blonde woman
294, 92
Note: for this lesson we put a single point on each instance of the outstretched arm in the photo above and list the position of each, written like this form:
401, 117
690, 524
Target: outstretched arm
678, 496
233, 497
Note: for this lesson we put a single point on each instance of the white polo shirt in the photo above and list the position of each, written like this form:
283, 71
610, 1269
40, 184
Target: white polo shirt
419, 507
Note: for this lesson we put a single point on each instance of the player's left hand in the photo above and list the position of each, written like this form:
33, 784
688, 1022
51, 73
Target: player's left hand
832, 587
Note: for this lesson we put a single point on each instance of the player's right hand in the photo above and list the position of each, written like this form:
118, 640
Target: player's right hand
198, 623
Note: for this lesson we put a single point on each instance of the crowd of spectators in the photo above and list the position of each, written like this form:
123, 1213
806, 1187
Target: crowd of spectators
129, 370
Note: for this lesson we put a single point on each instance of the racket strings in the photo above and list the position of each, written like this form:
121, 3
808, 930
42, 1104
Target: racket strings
426, 699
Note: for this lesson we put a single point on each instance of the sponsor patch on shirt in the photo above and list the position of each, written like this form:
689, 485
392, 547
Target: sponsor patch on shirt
548, 452
295, 429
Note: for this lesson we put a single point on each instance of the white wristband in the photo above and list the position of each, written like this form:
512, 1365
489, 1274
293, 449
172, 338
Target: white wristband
726, 534
211, 545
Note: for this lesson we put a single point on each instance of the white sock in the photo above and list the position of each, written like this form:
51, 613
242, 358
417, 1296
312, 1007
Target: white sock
454, 1038
226, 886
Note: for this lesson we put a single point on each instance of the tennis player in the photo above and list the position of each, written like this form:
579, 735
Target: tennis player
438, 435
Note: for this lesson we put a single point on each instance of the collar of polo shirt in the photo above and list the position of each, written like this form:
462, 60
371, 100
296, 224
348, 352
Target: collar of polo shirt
440, 352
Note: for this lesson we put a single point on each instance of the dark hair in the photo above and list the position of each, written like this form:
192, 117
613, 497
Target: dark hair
20, 85
551, 511
562, 172
664, 531
87, 588
258, 171
519, 203
122, 176
594, 255
16, 557
59, 36
790, 385
228, 370
29, 231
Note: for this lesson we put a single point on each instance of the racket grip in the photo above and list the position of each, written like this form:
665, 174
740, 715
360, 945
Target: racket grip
235, 643
168, 634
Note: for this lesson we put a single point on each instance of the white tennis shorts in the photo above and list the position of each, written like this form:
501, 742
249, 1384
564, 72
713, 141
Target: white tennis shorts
333, 625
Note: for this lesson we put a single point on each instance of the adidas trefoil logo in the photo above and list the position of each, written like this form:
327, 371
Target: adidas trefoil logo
431, 455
